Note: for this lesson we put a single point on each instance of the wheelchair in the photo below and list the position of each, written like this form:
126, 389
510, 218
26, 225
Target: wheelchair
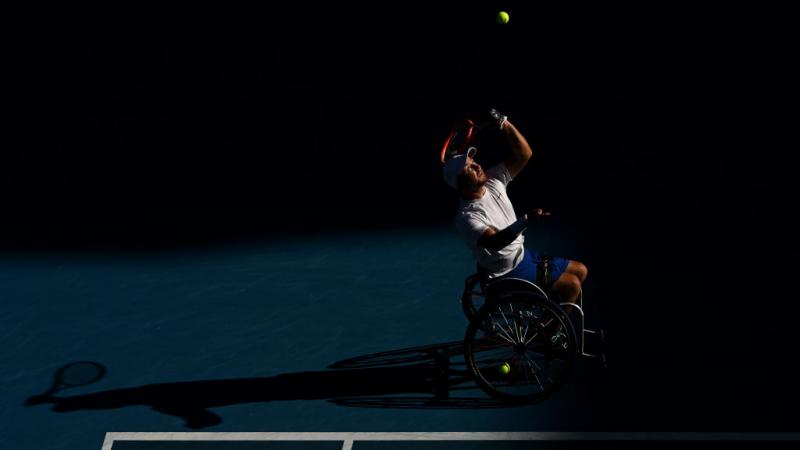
520, 344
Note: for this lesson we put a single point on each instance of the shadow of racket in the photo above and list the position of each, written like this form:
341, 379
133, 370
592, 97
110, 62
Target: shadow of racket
74, 374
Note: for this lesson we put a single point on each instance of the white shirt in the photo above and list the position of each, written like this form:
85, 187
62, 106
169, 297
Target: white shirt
494, 210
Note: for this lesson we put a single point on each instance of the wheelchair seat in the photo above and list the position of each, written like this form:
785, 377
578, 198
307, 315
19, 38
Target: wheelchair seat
543, 283
496, 287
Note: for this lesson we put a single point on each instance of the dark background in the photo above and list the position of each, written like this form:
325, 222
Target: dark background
144, 126
655, 136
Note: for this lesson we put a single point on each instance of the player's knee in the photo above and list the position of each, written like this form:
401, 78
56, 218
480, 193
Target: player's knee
569, 284
580, 270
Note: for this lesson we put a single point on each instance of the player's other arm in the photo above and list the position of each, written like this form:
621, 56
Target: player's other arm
520, 150
494, 240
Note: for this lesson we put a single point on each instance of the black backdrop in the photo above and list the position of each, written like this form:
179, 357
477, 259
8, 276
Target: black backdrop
158, 127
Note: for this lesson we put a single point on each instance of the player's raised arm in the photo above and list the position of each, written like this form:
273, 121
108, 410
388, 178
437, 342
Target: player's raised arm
520, 150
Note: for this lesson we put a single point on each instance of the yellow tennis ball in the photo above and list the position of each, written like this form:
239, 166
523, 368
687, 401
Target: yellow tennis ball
502, 17
505, 368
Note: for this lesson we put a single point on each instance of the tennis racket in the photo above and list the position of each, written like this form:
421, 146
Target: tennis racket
465, 134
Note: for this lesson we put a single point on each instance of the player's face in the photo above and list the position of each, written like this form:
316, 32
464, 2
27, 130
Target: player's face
474, 173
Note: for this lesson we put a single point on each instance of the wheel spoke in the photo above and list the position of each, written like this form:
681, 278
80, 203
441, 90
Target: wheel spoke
489, 342
514, 322
507, 339
510, 329
533, 363
535, 376
504, 332
540, 328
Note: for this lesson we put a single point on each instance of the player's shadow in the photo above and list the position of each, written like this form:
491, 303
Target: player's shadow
419, 377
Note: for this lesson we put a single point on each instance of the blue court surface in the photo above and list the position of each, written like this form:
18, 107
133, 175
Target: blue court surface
243, 338
288, 336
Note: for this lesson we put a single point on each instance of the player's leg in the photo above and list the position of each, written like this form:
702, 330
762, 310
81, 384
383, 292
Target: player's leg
568, 286
578, 269
569, 276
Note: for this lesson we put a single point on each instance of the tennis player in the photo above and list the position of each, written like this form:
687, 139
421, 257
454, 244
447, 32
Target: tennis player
488, 224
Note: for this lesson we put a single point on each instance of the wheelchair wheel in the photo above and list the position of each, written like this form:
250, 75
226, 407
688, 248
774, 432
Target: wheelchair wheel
520, 347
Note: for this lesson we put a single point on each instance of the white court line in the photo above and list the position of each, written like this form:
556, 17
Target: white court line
348, 438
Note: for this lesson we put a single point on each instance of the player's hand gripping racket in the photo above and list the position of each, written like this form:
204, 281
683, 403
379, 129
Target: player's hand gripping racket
467, 131
74, 374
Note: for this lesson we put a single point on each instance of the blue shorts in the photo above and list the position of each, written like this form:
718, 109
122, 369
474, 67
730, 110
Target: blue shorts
530, 261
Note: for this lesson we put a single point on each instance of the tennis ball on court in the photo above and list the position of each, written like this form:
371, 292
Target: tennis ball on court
505, 368
502, 17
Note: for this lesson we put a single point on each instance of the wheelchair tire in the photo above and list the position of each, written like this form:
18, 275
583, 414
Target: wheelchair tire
468, 303
520, 347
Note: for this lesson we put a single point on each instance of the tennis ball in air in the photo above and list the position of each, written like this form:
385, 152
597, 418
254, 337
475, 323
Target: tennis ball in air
505, 368
502, 17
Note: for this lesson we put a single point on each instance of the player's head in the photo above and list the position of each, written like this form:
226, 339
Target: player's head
462, 172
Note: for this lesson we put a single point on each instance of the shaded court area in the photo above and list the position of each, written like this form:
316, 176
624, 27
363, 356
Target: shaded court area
243, 338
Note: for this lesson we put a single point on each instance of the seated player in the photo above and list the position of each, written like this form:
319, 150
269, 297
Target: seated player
488, 224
